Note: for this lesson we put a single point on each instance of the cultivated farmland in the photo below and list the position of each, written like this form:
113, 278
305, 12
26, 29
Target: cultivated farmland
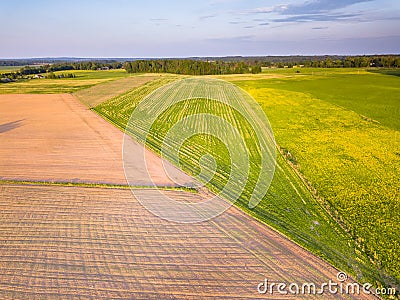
372, 94
90, 243
288, 205
340, 130
83, 80
55, 138
101, 92
325, 173
60, 241
7, 69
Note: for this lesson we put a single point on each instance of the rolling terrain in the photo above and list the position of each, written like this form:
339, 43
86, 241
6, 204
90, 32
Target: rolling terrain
83, 80
340, 131
289, 206
303, 202
93, 243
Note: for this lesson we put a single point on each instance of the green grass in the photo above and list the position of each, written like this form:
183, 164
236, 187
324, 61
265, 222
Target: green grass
95, 185
394, 72
83, 80
314, 71
7, 69
368, 92
289, 206
99, 75
120, 107
352, 161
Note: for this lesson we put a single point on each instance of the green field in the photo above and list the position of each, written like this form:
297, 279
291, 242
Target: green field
371, 93
83, 80
289, 206
341, 131
7, 69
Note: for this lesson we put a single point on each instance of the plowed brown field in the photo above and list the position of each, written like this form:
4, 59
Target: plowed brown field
101, 243
55, 138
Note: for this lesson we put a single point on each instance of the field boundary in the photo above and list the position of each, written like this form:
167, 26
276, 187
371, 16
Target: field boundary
97, 185
101, 92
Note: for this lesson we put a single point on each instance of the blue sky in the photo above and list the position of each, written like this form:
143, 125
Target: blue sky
177, 28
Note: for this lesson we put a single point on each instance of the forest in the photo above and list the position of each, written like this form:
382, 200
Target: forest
197, 65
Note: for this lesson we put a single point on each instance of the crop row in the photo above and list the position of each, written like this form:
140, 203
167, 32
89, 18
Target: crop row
288, 205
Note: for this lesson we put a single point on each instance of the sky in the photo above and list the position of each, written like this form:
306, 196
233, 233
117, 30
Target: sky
178, 28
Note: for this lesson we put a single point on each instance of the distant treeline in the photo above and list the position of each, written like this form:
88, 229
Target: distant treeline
201, 66
240, 65
86, 65
60, 60
382, 61
388, 60
191, 67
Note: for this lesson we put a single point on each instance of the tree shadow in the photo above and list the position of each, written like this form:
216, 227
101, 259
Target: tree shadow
11, 125
393, 72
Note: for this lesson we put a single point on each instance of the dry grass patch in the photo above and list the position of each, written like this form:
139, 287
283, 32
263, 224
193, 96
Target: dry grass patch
99, 93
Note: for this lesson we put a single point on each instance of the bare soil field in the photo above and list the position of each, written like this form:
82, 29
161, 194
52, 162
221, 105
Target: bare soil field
55, 138
91, 243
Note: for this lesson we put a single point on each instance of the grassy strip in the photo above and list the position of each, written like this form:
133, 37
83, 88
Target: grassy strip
97, 185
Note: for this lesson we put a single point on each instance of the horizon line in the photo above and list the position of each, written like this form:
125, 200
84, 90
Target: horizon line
188, 57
